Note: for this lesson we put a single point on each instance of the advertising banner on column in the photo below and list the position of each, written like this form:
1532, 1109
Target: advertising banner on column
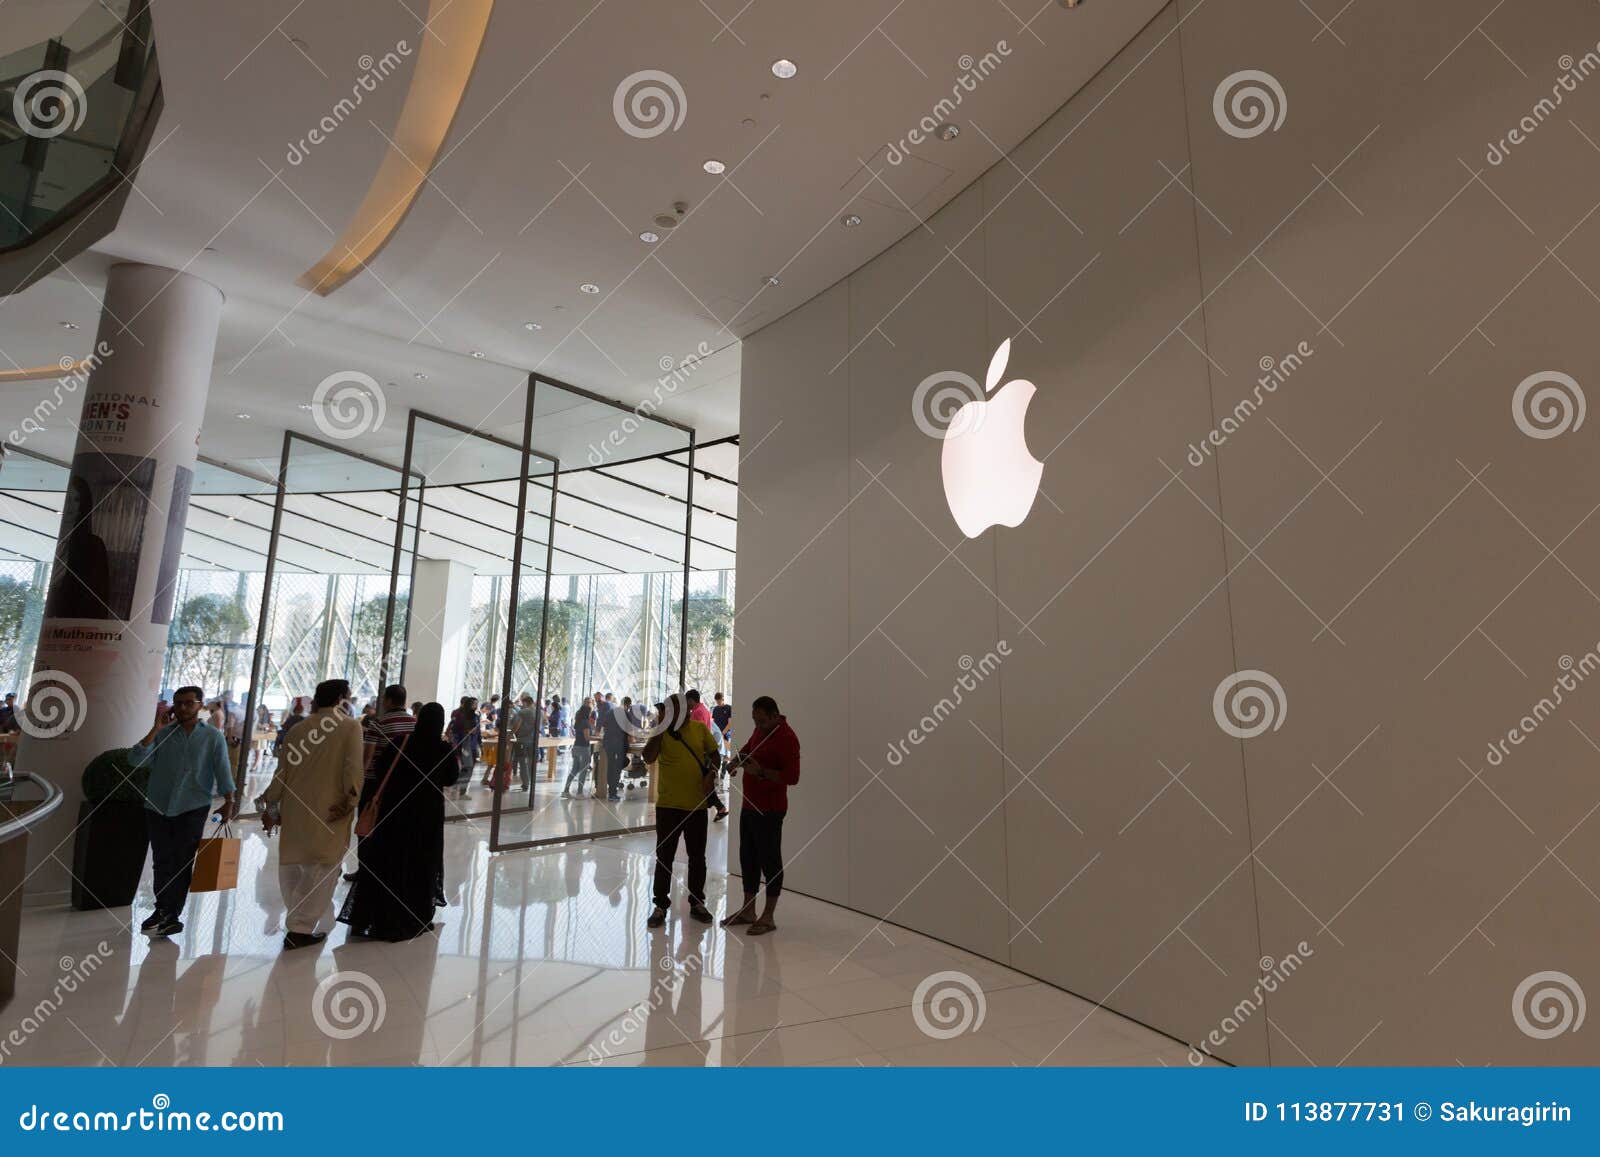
104, 634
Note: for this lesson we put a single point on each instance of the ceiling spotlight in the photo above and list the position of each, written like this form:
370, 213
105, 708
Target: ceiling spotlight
770, 279
531, 326
242, 417
714, 167
850, 220
304, 406
649, 238
477, 353
783, 69
949, 132
68, 324
589, 287
420, 377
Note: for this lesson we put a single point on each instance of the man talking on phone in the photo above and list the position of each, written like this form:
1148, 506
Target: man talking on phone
189, 768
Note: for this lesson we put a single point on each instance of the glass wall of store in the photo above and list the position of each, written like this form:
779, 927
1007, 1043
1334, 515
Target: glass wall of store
341, 534
32, 492
608, 622
468, 539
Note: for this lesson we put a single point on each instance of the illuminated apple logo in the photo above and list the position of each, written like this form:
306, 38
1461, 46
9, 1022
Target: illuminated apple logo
990, 478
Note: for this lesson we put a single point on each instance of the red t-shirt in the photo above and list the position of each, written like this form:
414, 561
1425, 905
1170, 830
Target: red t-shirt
776, 748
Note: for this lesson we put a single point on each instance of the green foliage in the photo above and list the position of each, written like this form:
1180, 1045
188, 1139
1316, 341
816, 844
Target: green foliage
366, 637
110, 776
710, 629
566, 624
200, 631
13, 605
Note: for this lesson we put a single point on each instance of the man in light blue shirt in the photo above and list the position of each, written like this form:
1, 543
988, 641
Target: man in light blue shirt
189, 767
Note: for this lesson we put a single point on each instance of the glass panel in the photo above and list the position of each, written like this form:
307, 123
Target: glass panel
328, 605
32, 492
466, 548
611, 621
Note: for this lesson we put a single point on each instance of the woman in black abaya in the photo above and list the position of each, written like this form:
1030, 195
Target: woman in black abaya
399, 882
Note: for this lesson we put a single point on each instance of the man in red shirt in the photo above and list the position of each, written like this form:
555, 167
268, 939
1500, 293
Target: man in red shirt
770, 760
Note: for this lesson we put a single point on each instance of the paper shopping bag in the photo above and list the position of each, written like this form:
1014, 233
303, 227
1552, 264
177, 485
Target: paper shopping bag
216, 865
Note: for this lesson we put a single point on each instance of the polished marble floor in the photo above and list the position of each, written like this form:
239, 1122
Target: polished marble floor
541, 958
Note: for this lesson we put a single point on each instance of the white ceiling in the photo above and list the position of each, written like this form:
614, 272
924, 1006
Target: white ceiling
538, 190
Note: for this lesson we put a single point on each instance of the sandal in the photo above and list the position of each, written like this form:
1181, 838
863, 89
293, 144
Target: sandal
762, 927
738, 918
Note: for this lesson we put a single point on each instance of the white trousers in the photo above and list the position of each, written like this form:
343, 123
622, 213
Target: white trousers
308, 895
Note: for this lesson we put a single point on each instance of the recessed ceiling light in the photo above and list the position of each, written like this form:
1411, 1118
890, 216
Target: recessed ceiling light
420, 377
531, 326
649, 238
949, 132
771, 279
714, 167
589, 287
305, 405
242, 417
477, 353
850, 220
783, 69
68, 324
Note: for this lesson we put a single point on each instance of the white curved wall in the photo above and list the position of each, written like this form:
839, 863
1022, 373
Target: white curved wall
1376, 536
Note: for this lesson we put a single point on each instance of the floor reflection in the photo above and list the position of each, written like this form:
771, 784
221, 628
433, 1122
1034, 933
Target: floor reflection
540, 958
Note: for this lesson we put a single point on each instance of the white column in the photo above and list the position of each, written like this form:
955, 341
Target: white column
441, 622
104, 634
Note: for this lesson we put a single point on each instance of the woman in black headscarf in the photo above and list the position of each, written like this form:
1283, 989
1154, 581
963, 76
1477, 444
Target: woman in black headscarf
400, 881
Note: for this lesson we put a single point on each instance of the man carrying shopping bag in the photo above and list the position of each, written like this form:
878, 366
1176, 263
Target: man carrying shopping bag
189, 768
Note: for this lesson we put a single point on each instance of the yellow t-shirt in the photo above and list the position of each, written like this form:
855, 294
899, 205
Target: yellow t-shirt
678, 766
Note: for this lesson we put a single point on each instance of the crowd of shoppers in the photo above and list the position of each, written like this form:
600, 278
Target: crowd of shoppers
383, 777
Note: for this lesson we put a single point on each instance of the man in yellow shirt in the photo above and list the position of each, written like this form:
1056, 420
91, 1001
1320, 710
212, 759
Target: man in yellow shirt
686, 756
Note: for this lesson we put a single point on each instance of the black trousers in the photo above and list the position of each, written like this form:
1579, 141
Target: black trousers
671, 823
173, 843
761, 851
616, 764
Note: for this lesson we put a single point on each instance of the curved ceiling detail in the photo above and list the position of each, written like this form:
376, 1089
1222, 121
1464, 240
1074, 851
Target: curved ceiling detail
446, 57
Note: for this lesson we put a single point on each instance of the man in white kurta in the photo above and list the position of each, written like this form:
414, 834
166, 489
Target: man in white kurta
313, 798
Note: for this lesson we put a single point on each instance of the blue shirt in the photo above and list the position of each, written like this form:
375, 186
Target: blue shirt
187, 768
